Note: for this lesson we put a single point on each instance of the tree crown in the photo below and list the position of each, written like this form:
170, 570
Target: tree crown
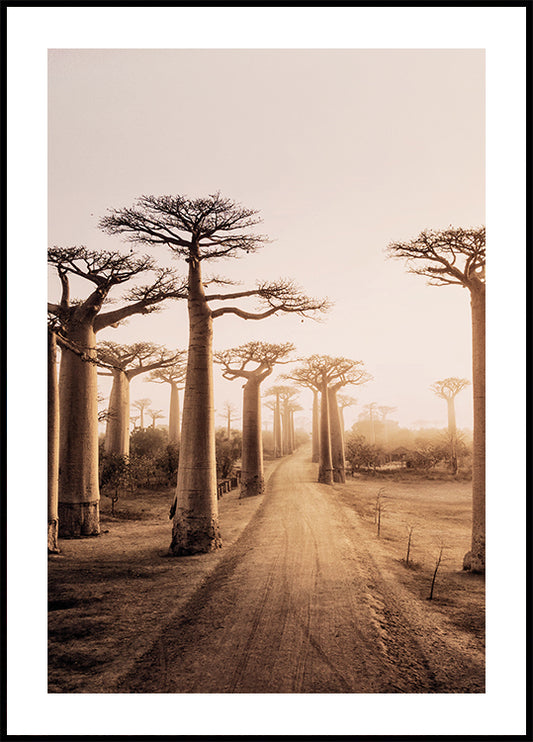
199, 228
318, 370
235, 361
449, 388
451, 256
106, 269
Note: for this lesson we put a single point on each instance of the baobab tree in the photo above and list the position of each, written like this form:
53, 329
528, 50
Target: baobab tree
323, 372
355, 375
229, 415
344, 400
288, 404
128, 361
142, 405
385, 410
78, 492
456, 257
370, 413
199, 230
53, 442
155, 415
236, 365
282, 395
448, 389
174, 375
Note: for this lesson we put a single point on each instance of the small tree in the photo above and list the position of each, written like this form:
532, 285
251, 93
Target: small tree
229, 414
173, 375
142, 405
456, 256
155, 415
448, 389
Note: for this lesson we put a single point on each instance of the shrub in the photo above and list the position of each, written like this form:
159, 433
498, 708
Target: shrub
228, 452
147, 442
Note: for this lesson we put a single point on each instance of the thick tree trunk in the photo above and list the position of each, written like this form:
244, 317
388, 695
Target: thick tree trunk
117, 435
292, 430
252, 477
286, 424
174, 415
278, 446
337, 450
452, 432
325, 466
195, 527
474, 560
315, 436
79, 495
53, 445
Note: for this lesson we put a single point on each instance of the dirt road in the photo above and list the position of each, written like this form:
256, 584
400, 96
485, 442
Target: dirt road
305, 602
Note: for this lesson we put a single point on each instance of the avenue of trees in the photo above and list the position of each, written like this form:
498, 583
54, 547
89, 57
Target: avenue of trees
200, 231
327, 375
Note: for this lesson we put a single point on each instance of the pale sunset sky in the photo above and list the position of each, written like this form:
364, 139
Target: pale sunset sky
347, 128
341, 151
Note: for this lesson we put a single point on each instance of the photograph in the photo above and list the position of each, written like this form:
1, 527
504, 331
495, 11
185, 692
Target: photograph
268, 465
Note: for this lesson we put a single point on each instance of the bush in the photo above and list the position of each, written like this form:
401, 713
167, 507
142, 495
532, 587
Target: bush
360, 454
167, 463
228, 452
148, 442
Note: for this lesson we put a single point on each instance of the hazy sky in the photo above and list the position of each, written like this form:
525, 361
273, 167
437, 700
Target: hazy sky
341, 151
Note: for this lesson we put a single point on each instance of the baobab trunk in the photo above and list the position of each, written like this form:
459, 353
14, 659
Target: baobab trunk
292, 429
252, 477
452, 432
315, 436
337, 450
174, 415
286, 423
53, 444
474, 560
195, 527
325, 466
278, 439
117, 436
79, 495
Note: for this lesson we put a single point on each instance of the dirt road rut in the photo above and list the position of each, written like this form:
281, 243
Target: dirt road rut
304, 602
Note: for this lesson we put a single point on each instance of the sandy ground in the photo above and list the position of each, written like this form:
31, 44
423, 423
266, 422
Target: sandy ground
304, 597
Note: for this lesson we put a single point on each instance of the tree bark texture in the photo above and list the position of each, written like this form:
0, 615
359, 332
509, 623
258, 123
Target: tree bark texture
195, 527
325, 466
278, 439
252, 476
315, 436
452, 432
474, 560
117, 436
53, 445
337, 449
174, 415
286, 425
79, 494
